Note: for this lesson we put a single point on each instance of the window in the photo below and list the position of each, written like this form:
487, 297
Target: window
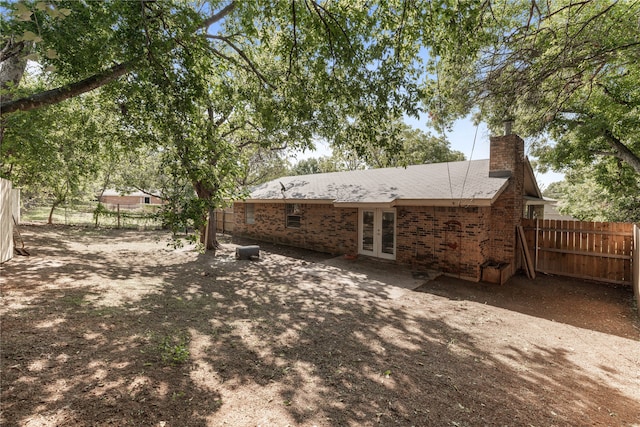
530, 212
249, 213
147, 200
293, 215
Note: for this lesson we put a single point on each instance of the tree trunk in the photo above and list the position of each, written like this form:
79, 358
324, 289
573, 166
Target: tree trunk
208, 229
13, 65
623, 152
65, 92
210, 240
53, 207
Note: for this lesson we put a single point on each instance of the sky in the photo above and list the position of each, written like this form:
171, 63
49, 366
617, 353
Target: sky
461, 138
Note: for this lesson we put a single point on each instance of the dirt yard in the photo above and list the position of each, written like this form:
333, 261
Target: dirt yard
115, 328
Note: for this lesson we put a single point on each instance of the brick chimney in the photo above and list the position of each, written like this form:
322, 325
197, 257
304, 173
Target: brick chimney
506, 161
506, 155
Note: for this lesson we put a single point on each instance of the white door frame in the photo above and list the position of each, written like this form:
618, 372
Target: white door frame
375, 247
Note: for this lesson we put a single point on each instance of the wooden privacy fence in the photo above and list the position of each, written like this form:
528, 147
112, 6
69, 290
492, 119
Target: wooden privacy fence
635, 264
6, 221
588, 250
224, 220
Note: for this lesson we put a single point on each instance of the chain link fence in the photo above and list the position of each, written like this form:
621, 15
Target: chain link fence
94, 214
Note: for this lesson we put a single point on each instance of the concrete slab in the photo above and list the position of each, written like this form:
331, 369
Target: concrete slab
383, 271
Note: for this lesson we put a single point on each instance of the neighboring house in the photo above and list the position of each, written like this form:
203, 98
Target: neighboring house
454, 217
132, 200
551, 211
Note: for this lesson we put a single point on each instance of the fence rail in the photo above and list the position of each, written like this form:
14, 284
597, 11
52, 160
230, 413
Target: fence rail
224, 220
587, 250
635, 263
89, 214
6, 220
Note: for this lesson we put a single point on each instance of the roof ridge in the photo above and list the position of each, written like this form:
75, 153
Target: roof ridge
428, 181
387, 168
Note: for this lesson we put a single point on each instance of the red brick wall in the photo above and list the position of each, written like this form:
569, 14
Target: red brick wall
453, 240
122, 200
322, 228
129, 200
507, 153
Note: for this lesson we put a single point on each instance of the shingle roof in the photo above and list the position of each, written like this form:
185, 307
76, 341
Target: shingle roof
114, 192
436, 182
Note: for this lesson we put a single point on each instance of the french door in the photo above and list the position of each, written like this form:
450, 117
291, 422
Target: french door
377, 232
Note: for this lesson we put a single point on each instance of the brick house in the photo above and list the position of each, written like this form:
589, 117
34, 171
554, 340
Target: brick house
133, 200
453, 217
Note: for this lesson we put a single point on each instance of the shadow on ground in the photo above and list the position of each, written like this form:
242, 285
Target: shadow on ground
602, 307
105, 330
596, 306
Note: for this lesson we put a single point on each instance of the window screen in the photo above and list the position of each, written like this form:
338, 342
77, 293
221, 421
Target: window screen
293, 215
249, 213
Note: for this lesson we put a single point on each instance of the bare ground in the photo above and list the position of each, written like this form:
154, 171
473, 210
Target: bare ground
107, 327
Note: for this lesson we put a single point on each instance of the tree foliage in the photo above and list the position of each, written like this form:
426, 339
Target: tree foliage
206, 84
582, 196
409, 147
367, 48
56, 153
392, 144
314, 165
566, 71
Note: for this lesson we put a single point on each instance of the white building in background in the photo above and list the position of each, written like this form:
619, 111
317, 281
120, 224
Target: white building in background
551, 211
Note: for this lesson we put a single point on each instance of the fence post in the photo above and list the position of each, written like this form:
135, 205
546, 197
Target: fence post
6, 223
635, 264
118, 215
535, 246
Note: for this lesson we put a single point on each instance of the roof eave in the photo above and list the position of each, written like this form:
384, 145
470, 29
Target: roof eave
288, 200
445, 202
532, 178
370, 205
505, 184
386, 204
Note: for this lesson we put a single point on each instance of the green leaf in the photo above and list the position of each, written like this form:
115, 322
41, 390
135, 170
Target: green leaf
54, 13
21, 8
22, 12
30, 36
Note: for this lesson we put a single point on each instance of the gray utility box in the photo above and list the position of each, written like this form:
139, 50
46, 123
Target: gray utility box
248, 252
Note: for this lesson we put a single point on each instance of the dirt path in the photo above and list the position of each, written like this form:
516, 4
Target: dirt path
115, 328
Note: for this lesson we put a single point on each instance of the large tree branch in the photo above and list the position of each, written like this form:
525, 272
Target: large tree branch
615, 97
65, 92
244, 57
560, 10
218, 16
622, 151
11, 48
74, 89
294, 46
